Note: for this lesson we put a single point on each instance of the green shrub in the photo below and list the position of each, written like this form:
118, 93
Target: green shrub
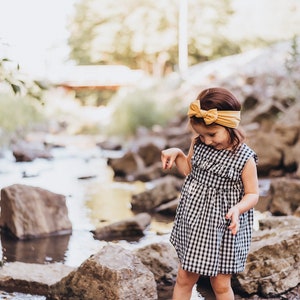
140, 108
17, 114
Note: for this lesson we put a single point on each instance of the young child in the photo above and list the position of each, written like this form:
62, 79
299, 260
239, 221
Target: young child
213, 224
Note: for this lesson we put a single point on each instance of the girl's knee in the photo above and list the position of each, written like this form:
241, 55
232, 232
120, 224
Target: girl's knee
221, 289
186, 278
221, 283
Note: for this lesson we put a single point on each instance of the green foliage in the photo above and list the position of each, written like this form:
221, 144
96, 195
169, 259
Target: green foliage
144, 34
292, 62
292, 65
7, 75
17, 111
17, 114
94, 98
11, 76
141, 108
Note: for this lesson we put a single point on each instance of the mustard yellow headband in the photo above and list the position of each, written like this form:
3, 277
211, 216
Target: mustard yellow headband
227, 118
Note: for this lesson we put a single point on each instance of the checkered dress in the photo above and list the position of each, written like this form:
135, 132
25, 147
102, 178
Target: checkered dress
200, 234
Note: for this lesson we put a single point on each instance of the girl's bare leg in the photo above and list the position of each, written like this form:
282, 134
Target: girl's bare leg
184, 284
221, 285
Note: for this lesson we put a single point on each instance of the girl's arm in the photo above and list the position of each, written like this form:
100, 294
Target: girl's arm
250, 198
176, 155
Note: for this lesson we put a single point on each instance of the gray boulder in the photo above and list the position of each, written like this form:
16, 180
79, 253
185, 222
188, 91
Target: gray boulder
272, 222
129, 228
24, 151
168, 208
113, 273
273, 263
31, 278
127, 166
161, 259
162, 192
284, 193
149, 173
32, 212
149, 149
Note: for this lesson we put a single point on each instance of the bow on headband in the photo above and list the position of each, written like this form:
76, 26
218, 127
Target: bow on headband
227, 118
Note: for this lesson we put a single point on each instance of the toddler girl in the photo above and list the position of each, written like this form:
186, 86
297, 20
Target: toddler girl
214, 219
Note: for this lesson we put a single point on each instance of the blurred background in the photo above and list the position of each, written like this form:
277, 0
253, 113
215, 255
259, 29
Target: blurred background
93, 51
78, 74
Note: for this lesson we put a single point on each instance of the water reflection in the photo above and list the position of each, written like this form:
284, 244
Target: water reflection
110, 202
40, 251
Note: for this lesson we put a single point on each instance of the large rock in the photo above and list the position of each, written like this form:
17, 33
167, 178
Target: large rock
113, 273
126, 166
24, 151
168, 208
34, 279
32, 212
161, 259
149, 148
272, 222
149, 173
273, 263
292, 158
284, 193
150, 199
269, 158
126, 229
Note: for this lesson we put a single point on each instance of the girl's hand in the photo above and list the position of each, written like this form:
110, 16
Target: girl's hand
233, 215
168, 157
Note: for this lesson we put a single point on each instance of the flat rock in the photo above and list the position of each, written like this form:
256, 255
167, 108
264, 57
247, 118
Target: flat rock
31, 278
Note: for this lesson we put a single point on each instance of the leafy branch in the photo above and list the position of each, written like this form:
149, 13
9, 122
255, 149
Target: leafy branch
10, 75
293, 60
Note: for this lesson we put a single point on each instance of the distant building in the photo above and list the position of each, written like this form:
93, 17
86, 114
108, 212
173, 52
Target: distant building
96, 77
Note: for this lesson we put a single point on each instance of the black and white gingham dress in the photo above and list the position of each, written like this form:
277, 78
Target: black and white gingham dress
200, 234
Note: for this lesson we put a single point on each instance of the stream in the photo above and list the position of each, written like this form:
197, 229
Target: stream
80, 172
93, 199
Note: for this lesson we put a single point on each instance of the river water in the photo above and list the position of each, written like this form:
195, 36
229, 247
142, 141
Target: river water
93, 200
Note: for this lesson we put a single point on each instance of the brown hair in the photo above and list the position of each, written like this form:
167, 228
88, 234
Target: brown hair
221, 99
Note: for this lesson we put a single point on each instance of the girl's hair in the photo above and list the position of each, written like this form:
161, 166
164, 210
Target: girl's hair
221, 99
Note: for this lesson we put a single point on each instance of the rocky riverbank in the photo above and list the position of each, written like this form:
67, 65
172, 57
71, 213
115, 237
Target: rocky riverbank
271, 119
276, 243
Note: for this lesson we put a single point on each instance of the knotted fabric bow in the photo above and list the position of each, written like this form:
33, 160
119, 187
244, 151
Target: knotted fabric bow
227, 118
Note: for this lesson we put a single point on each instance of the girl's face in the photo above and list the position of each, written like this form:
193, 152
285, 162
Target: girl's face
214, 135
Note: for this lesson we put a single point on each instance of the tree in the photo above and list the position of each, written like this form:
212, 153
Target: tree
7, 75
11, 76
143, 34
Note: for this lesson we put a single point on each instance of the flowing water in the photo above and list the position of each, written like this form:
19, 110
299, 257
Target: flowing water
93, 201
